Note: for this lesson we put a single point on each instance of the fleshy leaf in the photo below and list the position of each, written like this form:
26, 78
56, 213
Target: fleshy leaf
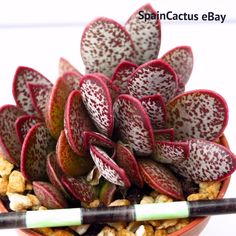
72, 79
10, 146
108, 168
110, 45
208, 161
133, 124
23, 76
70, 163
98, 101
160, 178
23, 124
197, 114
38, 143
181, 60
164, 134
65, 66
146, 34
151, 78
76, 121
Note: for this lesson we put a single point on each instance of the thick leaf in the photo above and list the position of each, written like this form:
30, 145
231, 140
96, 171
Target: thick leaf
70, 163
98, 101
107, 192
80, 188
208, 161
72, 79
160, 178
155, 108
146, 34
49, 196
23, 124
10, 146
164, 134
153, 77
65, 66
54, 115
23, 76
133, 125
181, 60
171, 152
197, 114
76, 121
37, 145
126, 160
110, 45
121, 75
108, 168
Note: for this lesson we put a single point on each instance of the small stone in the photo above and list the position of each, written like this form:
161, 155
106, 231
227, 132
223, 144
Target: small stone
16, 182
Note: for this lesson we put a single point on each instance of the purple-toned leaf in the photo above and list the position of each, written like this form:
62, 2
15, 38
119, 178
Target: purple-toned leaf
76, 121
155, 108
110, 45
23, 76
108, 168
160, 178
95, 138
126, 160
98, 101
151, 78
107, 192
197, 114
171, 152
181, 89
164, 134
65, 66
55, 107
37, 145
70, 163
207, 161
49, 196
55, 173
121, 75
133, 124
39, 94
181, 60
23, 124
10, 146
72, 79
80, 188
146, 34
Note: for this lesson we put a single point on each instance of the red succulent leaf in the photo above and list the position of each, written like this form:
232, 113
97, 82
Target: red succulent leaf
155, 108
91, 137
151, 78
37, 144
164, 134
197, 114
181, 60
76, 121
65, 66
39, 94
97, 99
48, 195
121, 75
108, 168
207, 161
126, 160
111, 44
55, 173
55, 107
80, 188
146, 34
133, 124
72, 79
171, 152
23, 124
70, 163
10, 146
160, 178
23, 76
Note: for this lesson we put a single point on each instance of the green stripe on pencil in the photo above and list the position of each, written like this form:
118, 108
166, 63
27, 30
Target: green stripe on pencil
144, 212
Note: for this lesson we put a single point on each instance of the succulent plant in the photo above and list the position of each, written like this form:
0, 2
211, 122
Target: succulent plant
128, 117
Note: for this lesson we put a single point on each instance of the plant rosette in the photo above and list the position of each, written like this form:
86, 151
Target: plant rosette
125, 131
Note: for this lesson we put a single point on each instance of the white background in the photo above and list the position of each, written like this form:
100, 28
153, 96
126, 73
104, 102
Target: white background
38, 33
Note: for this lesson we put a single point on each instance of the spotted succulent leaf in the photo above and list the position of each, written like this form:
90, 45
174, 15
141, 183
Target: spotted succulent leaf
164, 134
65, 66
